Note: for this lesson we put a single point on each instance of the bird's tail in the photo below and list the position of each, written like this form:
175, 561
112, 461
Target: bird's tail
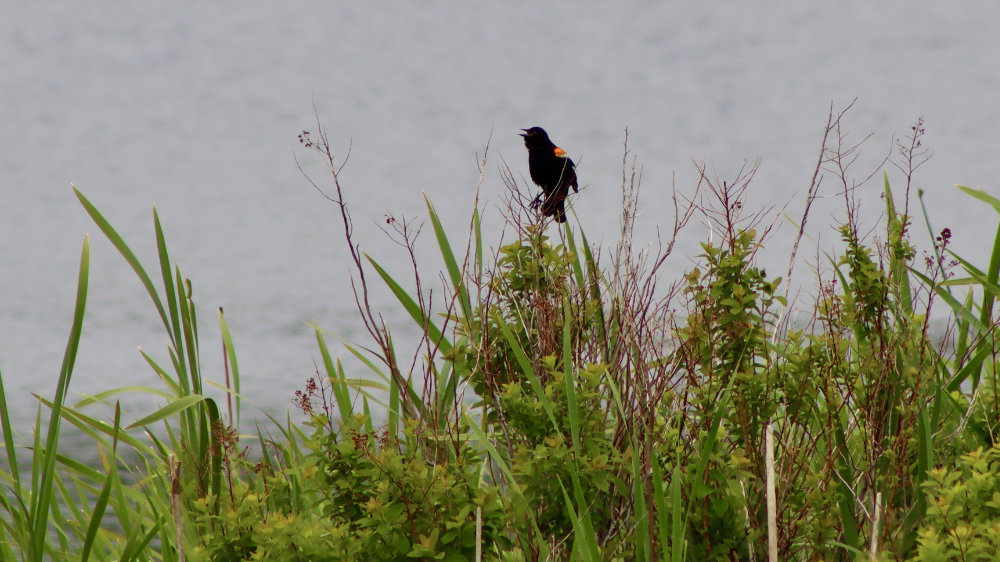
555, 207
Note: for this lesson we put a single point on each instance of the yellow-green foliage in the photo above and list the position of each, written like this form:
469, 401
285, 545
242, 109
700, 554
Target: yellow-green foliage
963, 509
357, 495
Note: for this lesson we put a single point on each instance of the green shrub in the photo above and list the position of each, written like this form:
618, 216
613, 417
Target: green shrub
356, 495
963, 509
558, 409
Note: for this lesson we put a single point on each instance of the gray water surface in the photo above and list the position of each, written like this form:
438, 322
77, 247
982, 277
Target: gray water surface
195, 108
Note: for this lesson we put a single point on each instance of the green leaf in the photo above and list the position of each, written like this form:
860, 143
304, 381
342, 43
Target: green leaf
101, 503
119, 243
233, 364
454, 271
571, 403
43, 469
529, 372
423, 321
179, 405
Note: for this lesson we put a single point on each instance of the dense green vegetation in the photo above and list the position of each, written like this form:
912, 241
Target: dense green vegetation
559, 408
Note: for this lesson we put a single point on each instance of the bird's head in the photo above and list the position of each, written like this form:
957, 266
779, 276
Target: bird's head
535, 137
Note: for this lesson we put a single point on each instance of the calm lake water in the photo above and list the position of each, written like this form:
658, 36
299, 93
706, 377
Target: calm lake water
195, 108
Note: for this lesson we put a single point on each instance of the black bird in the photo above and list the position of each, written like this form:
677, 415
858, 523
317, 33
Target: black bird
553, 171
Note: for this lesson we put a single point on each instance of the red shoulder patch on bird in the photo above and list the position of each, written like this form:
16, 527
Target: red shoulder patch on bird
560, 152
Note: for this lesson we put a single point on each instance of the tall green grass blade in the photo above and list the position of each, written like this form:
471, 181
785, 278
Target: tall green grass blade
660, 507
266, 458
454, 271
993, 273
572, 406
162, 451
101, 503
938, 258
119, 243
982, 196
95, 428
393, 412
166, 378
529, 372
234, 366
488, 443
961, 310
641, 510
447, 387
478, 233
42, 501
575, 256
925, 461
584, 538
897, 263
8, 437
413, 399
411, 306
59, 524
82, 472
177, 406
594, 289
14, 528
169, 289
36, 461
214, 448
678, 545
367, 415
708, 445
357, 352
976, 276
135, 547
103, 396
846, 499
188, 344
6, 551
966, 330
341, 393
971, 369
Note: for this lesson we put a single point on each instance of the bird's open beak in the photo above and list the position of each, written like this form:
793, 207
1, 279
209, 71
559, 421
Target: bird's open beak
525, 134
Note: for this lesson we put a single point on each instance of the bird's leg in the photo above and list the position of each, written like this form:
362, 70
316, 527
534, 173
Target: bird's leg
537, 201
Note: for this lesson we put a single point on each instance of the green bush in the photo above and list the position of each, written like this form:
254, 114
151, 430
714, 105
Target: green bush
356, 494
557, 408
963, 509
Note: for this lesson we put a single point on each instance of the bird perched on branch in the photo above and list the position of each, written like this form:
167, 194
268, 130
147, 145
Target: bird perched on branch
552, 169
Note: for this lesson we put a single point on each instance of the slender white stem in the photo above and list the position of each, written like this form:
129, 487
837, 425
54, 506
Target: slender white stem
772, 501
479, 534
875, 520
